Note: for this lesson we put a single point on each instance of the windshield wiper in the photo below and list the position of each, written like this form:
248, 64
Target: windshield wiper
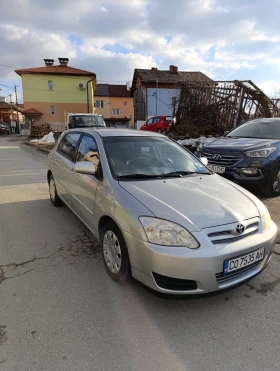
181, 173
173, 174
138, 176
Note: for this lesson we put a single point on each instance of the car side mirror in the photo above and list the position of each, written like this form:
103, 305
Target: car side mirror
145, 124
204, 160
84, 167
226, 132
70, 125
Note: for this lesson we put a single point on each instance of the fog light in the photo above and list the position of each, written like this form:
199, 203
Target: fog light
250, 171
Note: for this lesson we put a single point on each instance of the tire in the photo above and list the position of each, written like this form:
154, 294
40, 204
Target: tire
273, 185
159, 131
55, 200
115, 253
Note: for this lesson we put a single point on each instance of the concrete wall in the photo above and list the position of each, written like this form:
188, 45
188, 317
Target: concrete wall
163, 103
65, 88
126, 110
105, 111
59, 109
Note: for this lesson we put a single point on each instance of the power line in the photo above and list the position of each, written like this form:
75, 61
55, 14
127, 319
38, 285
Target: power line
7, 86
4, 65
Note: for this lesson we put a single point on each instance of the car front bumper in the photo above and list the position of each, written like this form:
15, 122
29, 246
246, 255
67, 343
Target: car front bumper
204, 265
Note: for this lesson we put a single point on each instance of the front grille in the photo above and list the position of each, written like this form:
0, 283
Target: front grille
230, 235
221, 277
176, 284
226, 160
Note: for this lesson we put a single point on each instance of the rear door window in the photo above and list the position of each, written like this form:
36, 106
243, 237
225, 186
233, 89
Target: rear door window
68, 144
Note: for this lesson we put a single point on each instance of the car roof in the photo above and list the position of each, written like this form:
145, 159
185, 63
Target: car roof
112, 132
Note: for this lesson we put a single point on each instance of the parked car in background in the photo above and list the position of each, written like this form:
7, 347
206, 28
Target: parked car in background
160, 215
249, 155
157, 124
4, 130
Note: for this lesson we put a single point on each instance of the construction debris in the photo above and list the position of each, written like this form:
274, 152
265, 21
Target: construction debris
211, 109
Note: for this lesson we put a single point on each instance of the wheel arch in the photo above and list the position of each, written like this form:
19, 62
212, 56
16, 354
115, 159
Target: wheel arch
49, 173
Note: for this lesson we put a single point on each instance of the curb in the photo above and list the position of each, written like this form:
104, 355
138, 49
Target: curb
38, 148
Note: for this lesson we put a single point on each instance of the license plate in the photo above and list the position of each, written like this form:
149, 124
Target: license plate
217, 169
243, 261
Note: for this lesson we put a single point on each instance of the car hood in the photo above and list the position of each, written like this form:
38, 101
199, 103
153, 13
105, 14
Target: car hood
195, 202
239, 144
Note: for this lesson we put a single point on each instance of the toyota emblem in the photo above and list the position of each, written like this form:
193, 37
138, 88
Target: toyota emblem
216, 157
240, 228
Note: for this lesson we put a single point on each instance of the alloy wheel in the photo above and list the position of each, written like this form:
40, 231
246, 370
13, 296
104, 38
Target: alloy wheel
52, 190
112, 252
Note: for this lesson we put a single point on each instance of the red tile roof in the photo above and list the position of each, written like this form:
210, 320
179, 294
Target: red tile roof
32, 111
55, 70
119, 91
5, 105
106, 90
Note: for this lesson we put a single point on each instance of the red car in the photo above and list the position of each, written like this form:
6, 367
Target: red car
157, 124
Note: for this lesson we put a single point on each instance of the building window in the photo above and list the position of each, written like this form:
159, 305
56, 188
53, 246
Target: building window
116, 112
99, 104
52, 110
50, 85
125, 103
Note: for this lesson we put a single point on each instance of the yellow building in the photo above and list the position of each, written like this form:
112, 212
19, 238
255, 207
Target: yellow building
51, 91
115, 103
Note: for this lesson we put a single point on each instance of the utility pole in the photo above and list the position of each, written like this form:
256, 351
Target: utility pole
17, 109
156, 95
11, 109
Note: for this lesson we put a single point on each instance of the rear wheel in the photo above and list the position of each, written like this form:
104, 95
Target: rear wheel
55, 200
273, 186
115, 253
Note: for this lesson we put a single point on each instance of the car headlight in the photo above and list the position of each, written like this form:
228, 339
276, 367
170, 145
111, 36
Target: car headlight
265, 152
267, 219
166, 233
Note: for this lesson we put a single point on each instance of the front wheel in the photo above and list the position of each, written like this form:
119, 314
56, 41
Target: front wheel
273, 186
55, 200
115, 253
159, 131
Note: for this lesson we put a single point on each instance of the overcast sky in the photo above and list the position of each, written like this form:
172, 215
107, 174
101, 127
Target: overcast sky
226, 39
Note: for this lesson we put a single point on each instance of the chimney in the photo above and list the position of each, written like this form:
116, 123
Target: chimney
63, 61
49, 62
154, 69
173, 69
127, 86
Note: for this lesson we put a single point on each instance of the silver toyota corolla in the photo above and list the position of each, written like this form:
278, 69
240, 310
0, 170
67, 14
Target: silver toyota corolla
161, 216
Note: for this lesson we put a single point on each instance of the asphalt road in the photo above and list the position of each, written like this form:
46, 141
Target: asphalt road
60, 311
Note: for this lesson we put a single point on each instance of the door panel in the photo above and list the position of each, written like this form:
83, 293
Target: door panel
64, 164
83, 186
155, 124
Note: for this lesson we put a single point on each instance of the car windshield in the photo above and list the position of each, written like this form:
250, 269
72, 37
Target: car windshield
135, 157
89, 121
261, 129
